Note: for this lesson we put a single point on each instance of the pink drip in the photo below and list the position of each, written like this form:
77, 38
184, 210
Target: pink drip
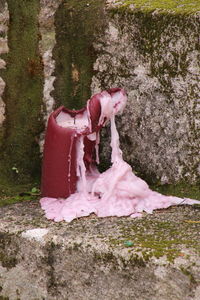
89, 117
81, 164
69, 160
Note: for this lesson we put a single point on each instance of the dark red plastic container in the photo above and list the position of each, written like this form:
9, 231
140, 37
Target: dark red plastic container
59, 176
60, 144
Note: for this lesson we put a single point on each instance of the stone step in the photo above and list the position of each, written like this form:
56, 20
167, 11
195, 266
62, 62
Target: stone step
155, 257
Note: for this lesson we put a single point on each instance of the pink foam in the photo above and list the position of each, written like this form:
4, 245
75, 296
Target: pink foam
117, 191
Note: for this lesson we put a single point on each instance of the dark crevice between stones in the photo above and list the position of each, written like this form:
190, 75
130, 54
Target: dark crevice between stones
78, 24
50, 259
8, 251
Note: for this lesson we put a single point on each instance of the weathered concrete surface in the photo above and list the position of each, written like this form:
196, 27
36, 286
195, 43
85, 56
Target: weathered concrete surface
155, 56
91, 259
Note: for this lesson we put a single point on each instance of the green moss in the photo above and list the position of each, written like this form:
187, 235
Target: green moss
188, 273
182, 190
15, 199
8, 262
153, 238
78, 24
12, 193
20, 161
76, 246
106, 257
7, 255
138, 261
8, 188
177, 6
157, 38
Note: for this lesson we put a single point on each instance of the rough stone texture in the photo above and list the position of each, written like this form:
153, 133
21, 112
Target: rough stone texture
22, 95
4, 19
47, 43
91, 259
78, 25
155, 56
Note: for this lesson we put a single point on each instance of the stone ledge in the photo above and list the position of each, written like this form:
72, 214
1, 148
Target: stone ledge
155, 257
185, 7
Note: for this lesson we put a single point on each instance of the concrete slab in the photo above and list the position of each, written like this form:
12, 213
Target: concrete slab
155, 257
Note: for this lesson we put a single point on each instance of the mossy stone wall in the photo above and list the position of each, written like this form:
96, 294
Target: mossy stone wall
78, 25
155, 56
20, 158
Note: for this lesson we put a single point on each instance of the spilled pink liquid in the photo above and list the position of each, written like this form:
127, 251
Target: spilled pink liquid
115, 192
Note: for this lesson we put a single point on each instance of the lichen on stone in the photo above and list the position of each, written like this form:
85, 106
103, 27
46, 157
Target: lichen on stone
182, 6
159, 130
